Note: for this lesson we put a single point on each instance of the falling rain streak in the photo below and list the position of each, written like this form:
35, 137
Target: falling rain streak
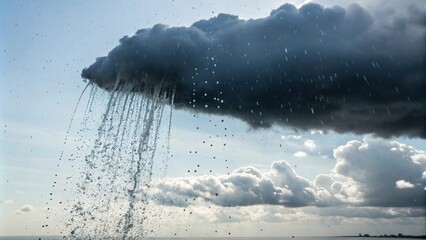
112, 193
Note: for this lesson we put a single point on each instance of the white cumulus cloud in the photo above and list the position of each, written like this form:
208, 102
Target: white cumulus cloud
376, 166
300, 154
25, 209
310, 144
373, 173
246, 186
291, 137
401, 184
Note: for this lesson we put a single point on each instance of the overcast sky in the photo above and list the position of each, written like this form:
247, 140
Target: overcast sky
226, 175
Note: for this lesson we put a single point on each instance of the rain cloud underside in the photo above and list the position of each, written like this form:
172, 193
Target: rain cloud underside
337, 69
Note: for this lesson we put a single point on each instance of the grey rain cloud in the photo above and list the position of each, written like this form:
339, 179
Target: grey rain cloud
365, 175
337, 69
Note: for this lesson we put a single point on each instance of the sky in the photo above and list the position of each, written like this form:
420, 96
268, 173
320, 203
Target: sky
227, 174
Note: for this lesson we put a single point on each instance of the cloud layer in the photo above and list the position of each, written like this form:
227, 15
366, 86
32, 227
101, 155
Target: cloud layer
308, 68
387, 173
24, 209
281, 185
372, 173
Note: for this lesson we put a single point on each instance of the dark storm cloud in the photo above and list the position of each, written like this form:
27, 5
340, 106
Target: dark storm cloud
309, 68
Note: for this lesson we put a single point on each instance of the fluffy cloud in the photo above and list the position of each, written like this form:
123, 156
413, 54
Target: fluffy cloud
8, 201
372, 173
291, 137
310, 144
386, 173
300, 144
310, 68
25, 209
300, 154
281, 185
401, 184
324, 180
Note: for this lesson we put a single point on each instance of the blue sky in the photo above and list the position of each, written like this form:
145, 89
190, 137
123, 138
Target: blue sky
43, 48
